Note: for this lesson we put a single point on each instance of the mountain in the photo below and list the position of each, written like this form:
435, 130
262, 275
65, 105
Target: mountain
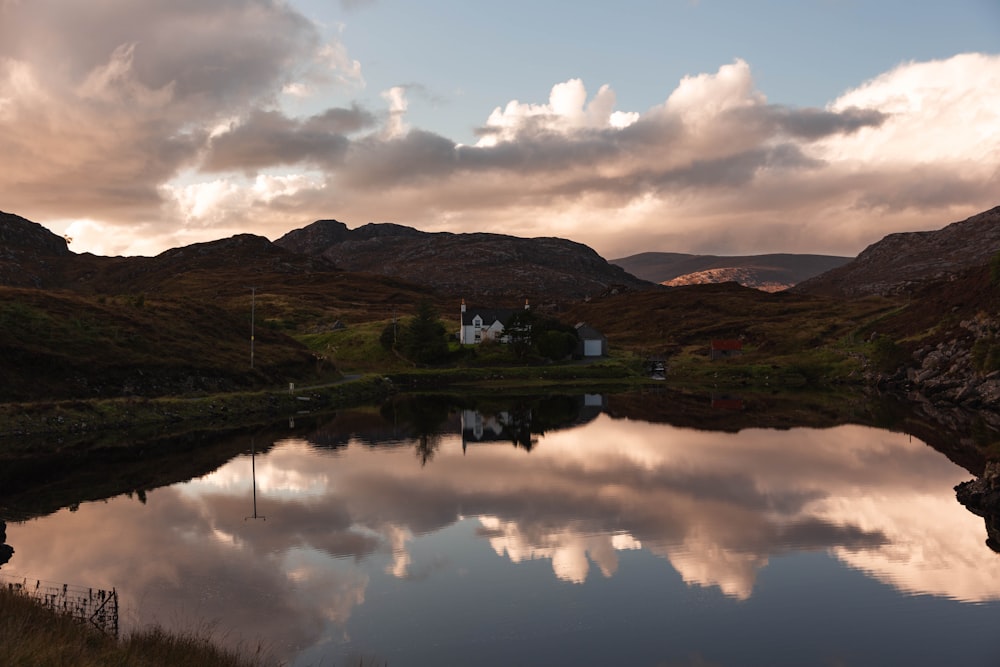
30, 255
770, 273
465, 265
903, 262
81, 325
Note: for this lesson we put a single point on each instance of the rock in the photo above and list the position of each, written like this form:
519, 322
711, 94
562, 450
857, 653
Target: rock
6, 551
981, 496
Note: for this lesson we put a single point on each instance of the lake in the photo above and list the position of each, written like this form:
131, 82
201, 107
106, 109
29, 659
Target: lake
555, 532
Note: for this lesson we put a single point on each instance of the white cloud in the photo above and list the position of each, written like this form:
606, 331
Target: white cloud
567, 110
945, 111
395, 125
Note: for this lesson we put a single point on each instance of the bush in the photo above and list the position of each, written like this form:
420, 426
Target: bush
995, 270
887, 355
986, 355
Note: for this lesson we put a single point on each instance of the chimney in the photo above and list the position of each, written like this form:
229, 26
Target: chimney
526, 306
463, 305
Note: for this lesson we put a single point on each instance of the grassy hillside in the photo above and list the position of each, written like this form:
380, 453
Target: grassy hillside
59, 345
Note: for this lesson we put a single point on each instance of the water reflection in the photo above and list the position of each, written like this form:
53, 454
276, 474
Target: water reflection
350, 508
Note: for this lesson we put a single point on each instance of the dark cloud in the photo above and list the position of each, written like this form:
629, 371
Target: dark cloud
813, 124
122, 96
269, 138
215, 56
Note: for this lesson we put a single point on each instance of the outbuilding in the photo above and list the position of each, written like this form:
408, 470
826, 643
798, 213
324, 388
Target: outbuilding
592, 342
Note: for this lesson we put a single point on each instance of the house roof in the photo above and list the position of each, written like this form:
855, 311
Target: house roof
488, 315
728, 344
587, 332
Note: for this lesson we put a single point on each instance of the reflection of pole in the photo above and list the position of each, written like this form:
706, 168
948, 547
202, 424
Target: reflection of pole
253, 476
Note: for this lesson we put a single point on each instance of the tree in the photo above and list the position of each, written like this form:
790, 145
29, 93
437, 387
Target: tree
519, 330
556, 345
423, 338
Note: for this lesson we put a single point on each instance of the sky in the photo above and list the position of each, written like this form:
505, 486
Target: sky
705, 126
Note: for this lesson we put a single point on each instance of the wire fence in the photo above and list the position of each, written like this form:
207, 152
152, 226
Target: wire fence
96, 606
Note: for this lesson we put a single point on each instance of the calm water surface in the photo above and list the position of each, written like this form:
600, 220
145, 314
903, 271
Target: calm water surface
473, 541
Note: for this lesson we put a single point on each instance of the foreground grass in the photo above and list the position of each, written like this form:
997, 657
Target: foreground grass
202, 412
33, 636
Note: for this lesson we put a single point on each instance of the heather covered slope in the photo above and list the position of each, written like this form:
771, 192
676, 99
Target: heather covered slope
662, 323
902, 262
83, 326
470, 265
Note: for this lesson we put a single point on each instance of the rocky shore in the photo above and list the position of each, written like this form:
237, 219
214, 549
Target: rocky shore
960, 371
981, 496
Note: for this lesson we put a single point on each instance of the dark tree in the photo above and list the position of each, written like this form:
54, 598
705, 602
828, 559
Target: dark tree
519, 330
423, 338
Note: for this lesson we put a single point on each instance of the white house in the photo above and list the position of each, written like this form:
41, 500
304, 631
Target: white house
479, 324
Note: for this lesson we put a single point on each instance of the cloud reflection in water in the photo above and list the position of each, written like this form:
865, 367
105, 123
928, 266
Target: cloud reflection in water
717, 506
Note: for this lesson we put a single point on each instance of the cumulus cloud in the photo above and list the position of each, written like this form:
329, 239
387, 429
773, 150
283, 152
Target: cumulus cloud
716, 167
121, 114
103, 106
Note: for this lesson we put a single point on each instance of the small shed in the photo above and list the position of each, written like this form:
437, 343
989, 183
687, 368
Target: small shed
722, 349
592, 342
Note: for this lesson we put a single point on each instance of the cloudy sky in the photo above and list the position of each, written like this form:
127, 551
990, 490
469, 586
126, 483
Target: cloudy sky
709, 126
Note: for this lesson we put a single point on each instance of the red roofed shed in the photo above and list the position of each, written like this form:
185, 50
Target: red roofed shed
732, 347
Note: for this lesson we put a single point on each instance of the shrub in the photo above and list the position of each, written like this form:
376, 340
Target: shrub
986, 355
887, 355
995, 270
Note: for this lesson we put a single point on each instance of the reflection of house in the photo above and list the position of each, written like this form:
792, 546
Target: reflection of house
479, 324
505, 426
592, 342
722, 349
477, 427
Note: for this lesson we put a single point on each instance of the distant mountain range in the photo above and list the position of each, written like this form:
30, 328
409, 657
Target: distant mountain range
770, 273
495, 267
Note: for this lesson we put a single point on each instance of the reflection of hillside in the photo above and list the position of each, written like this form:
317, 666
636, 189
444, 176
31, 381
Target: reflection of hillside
422, 419
39, 485
6, 551
959, 434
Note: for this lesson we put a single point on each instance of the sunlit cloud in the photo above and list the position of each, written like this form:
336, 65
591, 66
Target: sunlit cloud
570, 552
152, 120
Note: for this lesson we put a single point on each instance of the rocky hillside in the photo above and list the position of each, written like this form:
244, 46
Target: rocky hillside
30, 255
902, 262
466, 265
770, 273
945, 344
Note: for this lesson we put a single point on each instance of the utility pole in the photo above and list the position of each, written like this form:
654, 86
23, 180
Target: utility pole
253, 305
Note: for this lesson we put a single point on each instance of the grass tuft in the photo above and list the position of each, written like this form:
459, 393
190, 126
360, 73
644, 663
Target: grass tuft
33, 636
